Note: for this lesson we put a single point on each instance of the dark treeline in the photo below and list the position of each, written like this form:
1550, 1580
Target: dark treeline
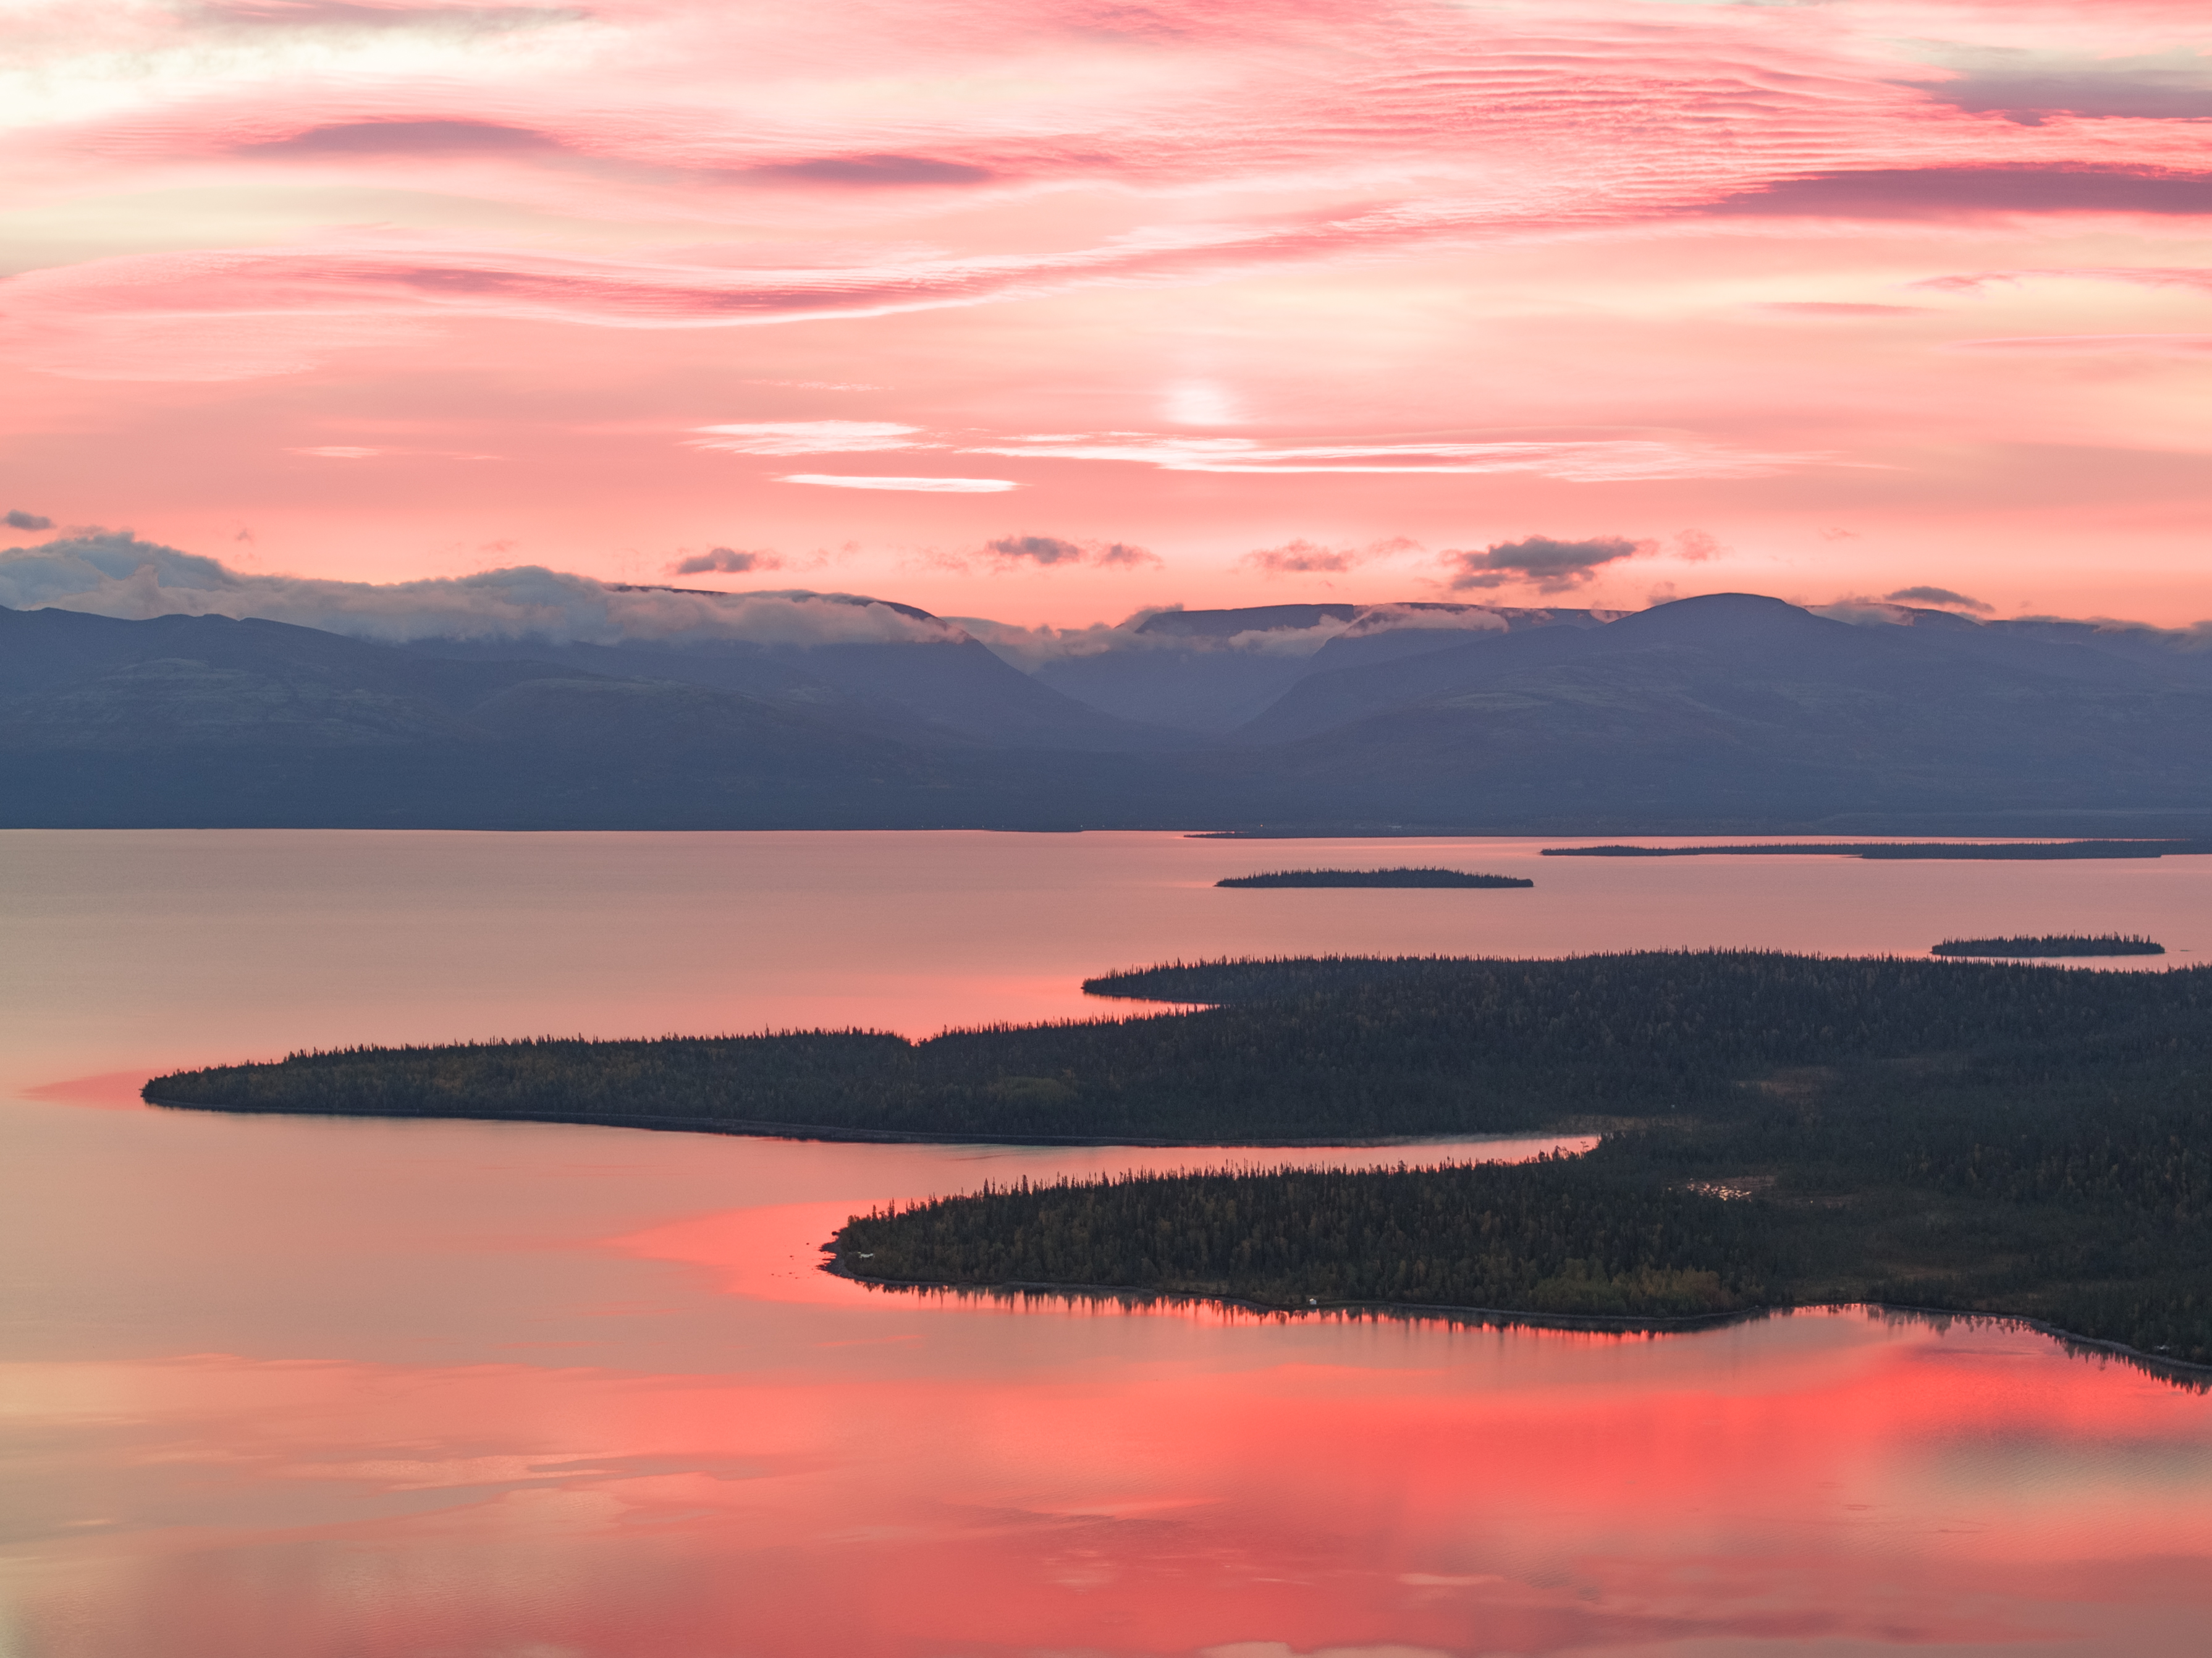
2053, 944
1318, 1050
1545, 1237
2034, 851
1618, 1233
1374, 877
2017, 1140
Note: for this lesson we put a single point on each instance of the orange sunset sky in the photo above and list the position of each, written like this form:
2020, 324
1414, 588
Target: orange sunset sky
1049, 310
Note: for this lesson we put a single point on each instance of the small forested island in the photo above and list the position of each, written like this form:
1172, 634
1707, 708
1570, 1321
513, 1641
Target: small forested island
2052, 944
1374, 877
1776, 1129
1985, 850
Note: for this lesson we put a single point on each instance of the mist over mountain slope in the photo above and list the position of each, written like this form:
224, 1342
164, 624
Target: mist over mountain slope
1742, 709
889, 667
190, 721
1211, 671
931, 692
655, 707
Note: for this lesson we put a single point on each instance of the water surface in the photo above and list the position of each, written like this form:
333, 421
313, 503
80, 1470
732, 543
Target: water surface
306, 1387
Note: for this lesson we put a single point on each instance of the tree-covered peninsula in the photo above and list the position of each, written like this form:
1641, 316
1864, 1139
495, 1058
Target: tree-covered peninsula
1315, 1049
2022, 1141
1988, 1137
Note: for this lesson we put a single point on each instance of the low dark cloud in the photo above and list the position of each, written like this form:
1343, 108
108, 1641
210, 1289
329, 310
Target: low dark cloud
1301, 558
1053, 549
1933, 192
1942, 598
408, 138
19, 519
1551, 566
1037, 549
871, 170
2030, 88
725, 560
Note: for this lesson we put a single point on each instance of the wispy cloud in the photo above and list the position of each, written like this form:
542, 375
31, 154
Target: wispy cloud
2081, 345
2146, 275
805, 437
1300, 558
17, 518
1581, 460
941, 486
1322, 269
1303, 557
1840, 309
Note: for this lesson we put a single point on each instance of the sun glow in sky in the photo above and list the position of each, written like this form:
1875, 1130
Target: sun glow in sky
1045, 310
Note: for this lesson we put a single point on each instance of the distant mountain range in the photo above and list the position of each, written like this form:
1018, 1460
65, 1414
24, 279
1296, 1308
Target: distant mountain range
1727, 713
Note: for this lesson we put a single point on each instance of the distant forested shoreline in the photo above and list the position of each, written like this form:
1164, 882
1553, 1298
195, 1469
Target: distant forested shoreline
2053, 946
1375, 877
1974, 851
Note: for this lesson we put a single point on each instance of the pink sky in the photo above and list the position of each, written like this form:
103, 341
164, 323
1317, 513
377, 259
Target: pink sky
1228, 301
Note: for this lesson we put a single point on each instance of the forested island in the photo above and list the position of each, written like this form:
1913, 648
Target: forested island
1986, 851
2052, 944
1983, 1137
1375, 877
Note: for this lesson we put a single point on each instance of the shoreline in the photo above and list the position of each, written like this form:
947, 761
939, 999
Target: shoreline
748, 1129
2182, 1372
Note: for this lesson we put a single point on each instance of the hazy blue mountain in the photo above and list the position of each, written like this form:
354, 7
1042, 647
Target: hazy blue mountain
73, 681
1732, 710
1211, 671
202, 720
1377, 640
1737, 708
1246, 619
953, 690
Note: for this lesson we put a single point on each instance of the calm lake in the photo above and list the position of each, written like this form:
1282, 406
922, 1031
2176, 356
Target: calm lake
294, 1387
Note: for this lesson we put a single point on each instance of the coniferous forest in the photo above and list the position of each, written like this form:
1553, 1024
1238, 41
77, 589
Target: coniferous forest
2053, 944
1776, 1129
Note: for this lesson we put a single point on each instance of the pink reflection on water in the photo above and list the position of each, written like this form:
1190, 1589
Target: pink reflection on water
111, 1090
1825, 1476
461, 1390
774, 1253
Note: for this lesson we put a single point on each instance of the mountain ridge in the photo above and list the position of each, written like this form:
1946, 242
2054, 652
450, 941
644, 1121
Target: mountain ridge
1724, 713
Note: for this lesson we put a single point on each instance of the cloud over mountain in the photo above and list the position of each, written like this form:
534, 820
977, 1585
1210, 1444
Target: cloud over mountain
1549, 565
118, 575
1054, 550
1942, 598
727, 560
